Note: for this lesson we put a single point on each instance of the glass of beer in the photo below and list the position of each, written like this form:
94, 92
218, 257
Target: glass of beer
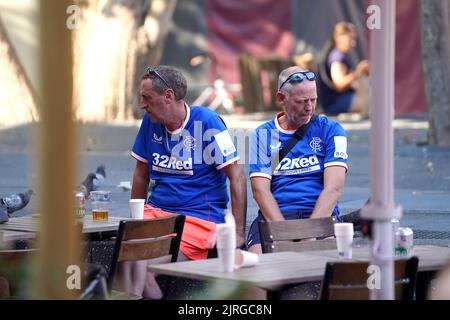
101, 201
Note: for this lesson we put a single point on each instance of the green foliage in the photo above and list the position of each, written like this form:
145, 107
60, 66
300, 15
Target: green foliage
19, 272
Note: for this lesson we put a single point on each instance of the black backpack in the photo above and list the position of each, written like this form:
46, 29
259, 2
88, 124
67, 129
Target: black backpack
321, 65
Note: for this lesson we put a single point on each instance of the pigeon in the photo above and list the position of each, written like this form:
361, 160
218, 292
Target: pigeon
93, 181
125, 185
16, 202
4, 216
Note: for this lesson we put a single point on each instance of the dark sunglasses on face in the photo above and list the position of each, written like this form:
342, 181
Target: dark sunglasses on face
152, 74
299, 77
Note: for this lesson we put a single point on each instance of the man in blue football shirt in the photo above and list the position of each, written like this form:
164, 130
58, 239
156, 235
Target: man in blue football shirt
308, 181
189, 153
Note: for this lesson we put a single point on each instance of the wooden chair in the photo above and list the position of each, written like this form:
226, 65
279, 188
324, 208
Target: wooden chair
291, 232
348, 280
280, 236
147, 239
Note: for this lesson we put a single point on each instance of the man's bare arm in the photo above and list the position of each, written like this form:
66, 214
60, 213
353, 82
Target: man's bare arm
334, 179
141, 179
341, 77
265, 199
238, 191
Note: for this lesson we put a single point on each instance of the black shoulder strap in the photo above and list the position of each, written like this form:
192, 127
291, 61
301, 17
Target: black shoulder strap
298, 135
321, 67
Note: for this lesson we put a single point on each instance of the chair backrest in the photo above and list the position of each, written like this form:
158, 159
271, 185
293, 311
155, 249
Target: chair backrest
348, 280
291, 231
147, 239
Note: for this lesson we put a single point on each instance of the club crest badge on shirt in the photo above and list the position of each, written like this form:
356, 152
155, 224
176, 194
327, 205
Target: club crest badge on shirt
189, 143
316, 144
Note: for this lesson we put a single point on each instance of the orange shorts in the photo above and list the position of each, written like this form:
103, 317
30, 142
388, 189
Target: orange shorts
198, 235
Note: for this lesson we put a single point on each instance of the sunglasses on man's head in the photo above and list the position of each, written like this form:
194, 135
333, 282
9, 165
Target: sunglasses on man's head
299, 77
152, 74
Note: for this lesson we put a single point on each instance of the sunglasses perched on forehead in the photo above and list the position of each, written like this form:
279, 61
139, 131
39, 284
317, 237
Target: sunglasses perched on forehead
152, 74
299, 77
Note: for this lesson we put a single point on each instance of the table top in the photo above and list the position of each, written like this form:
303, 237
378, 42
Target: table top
11, 235
31, 224
277, 269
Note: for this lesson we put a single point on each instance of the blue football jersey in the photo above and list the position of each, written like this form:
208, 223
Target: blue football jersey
297, 181
185, 164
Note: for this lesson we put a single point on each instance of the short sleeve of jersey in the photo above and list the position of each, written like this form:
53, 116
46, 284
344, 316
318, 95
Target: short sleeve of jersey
225, 152
139, 151
335, 56
336, 147
260, 161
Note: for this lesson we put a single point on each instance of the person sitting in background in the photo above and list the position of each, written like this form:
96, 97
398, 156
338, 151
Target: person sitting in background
342, 88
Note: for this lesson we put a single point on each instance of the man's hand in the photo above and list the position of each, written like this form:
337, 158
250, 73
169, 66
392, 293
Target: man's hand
362, 69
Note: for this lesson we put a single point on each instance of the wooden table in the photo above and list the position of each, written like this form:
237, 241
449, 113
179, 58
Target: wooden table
31, 224
10, 235
276, 270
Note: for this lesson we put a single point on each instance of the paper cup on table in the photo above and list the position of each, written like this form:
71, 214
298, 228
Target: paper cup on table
226, 245
137, 208
245, 259
344, 239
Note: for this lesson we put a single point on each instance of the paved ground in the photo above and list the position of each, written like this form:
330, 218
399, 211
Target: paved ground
422, 172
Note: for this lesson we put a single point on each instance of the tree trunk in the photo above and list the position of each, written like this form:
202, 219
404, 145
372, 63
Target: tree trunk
150, 44
435, 31
114, 41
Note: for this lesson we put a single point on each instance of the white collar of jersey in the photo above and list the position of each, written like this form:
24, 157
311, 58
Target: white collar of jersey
277, 124
188, 114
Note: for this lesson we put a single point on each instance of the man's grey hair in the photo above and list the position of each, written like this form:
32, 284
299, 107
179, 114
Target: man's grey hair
286, 73
174, 78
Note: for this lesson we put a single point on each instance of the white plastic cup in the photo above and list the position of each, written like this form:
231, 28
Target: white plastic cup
226, 259
344, 239
226, 246
245, 259
137, 208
